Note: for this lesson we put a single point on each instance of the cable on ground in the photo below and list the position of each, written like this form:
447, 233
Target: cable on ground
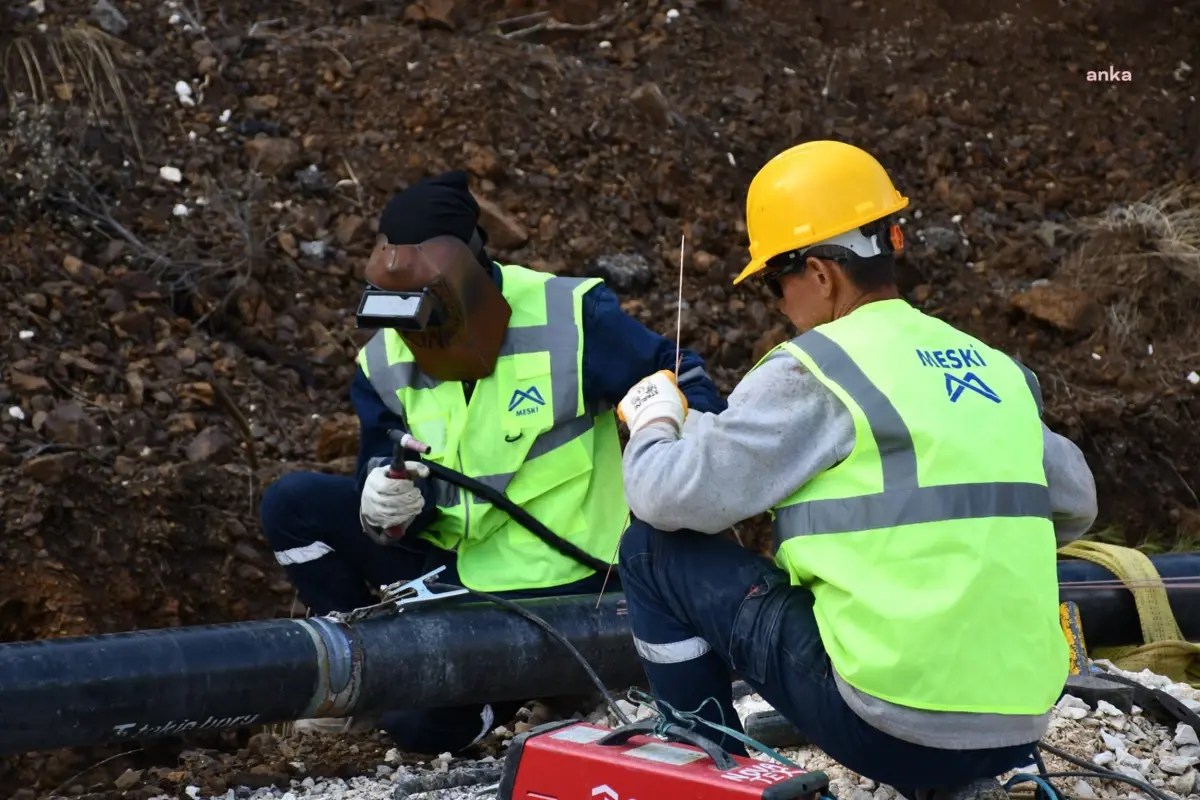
1096, 772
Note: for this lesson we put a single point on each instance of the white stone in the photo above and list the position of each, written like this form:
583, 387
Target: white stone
1084, 790
1176, 765
1184, 784
1129, 772
1185, 734
1113, 742
1071, 701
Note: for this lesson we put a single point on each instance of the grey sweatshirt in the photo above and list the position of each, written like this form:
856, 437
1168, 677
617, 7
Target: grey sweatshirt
782, 427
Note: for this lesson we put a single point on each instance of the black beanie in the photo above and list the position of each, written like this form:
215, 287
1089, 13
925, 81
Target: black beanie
437, 206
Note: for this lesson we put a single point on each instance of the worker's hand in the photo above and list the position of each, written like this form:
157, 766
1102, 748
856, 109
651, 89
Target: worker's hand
656, 397
388, 502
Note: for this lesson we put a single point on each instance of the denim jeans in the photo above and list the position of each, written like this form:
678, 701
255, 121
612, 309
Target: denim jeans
311, 520
701, 606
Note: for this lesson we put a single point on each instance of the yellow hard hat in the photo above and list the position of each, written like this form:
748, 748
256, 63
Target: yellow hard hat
811, 192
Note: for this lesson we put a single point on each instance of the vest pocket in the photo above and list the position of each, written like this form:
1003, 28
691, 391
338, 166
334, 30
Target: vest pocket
527, 402
538, 475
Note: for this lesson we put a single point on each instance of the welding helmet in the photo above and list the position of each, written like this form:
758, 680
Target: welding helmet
443, 304
431, 280
822, 193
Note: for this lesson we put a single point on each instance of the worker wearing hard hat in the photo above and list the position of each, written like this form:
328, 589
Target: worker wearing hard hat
909, 623
509, 376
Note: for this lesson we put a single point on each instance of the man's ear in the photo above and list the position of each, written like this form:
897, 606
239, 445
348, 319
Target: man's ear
822, 273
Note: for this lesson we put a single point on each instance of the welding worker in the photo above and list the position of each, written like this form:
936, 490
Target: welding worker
516, 385
908, 624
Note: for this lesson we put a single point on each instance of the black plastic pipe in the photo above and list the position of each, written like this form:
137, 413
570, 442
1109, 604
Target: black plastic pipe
87, 690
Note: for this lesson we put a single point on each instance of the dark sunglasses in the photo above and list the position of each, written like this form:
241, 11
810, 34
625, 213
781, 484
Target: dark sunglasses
780, 265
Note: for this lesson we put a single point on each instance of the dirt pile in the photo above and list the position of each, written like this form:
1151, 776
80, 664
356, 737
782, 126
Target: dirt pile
189, 191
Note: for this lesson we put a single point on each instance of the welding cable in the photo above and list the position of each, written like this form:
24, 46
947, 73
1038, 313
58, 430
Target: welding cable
1041, 762
505, 603
1096, 772
531, 523
1115, 776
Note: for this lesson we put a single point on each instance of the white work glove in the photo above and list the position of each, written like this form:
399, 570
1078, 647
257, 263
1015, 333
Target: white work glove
391, 502
653, 397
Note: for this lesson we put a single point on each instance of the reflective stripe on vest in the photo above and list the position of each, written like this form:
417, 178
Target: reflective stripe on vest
903, 501
559, 337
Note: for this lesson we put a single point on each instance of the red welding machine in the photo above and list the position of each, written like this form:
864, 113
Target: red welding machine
568, 760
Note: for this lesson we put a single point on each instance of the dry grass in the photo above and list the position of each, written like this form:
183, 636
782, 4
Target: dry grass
1166, 225
49, 66
1141, 262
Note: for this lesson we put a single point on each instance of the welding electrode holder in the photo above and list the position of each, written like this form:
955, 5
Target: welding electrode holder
404, 448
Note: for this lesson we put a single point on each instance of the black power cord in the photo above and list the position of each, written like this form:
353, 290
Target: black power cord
1112, 776
1096, 772
498, 499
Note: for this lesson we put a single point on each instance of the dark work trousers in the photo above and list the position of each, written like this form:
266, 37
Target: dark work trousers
311, 522
701, 606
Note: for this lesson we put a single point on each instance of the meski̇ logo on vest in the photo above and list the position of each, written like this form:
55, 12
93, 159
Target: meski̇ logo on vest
959, 358
526, 402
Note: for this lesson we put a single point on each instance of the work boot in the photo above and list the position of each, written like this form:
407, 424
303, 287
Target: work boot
982, 789
325, 725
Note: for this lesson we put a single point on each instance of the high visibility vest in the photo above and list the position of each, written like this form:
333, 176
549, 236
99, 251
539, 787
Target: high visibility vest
526, 432
929, 550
